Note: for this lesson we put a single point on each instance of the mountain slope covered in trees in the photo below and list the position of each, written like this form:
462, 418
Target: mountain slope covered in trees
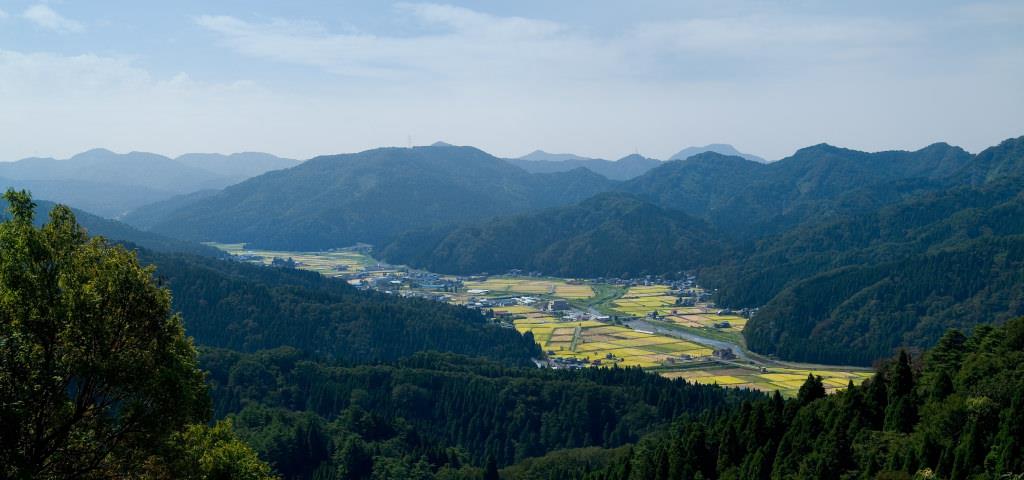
373, 196
816, 182
608, 235
246, 307
855, 287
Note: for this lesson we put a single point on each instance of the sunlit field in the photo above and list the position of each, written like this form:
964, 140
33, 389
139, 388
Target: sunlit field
533, 286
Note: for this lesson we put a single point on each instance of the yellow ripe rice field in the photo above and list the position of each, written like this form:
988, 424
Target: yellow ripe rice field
736, 322
328, 264
611, 344
532, 286
786, 381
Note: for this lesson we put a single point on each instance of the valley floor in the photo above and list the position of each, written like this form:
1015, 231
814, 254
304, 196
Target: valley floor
668, 328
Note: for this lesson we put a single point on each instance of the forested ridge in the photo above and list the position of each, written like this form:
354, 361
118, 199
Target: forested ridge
246, 307
433, 414
372, 196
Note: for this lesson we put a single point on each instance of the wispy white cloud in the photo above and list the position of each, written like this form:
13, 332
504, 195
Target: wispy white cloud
46, 17
466, 44
3, 14
459, 43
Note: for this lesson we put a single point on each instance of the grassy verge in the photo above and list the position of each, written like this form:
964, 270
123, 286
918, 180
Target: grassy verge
602, 300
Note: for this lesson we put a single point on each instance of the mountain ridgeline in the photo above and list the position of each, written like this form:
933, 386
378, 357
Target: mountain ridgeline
112, 184
625, 168
373, 197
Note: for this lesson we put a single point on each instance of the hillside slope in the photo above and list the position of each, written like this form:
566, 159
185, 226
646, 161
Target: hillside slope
754, 199
855, 287
373, 196
610, 234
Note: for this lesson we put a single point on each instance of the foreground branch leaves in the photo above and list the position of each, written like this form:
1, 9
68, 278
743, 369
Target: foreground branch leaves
97, 378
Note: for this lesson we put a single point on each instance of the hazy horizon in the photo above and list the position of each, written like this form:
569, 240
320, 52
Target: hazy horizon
584, 78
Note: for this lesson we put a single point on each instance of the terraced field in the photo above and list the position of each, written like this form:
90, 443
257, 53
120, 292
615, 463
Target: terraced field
532, 286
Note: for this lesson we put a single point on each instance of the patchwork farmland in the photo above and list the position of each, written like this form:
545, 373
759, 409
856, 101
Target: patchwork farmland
577, 341
598, 343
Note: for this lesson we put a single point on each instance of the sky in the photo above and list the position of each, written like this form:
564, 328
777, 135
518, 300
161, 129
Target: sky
595, 78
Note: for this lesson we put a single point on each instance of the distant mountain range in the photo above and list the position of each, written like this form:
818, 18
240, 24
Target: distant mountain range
720, 148
542, 156
372, 196
111, 184
625, 168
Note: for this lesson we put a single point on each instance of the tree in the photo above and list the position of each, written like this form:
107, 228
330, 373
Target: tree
202, 452
491, 470
96, 374
811, 390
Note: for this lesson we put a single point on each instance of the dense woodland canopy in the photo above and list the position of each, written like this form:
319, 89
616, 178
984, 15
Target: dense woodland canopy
246, 307
609, 235
957, 413
436, 414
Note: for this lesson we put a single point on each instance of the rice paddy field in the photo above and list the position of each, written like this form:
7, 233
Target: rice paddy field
532, 286
786, 381
709, 320
330, 264
611, 344
640, 301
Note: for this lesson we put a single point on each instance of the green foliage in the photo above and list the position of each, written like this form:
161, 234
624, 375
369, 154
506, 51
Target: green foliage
96, 374
608, 235
203, 452
246, 307
882, 429
316, 420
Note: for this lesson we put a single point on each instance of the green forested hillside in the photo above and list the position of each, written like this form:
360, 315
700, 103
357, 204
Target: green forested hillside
607, 235
372, 196
814, 183
853, 288
956, 414
433, 414
245, 307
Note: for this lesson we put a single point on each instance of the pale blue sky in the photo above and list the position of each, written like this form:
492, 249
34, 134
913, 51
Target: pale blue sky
595, 78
